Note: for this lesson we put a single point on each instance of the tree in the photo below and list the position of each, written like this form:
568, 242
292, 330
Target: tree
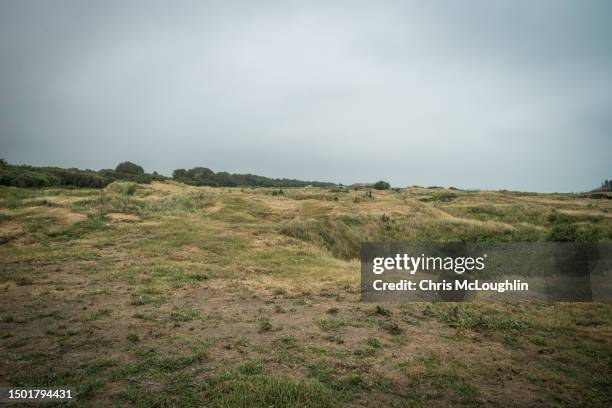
382, 185
225, 179
129, 168
179, 173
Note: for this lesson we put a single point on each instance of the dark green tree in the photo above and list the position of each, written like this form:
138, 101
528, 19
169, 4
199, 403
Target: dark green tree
129, 168
382, 185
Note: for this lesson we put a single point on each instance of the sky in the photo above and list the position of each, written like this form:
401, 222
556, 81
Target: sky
479, 94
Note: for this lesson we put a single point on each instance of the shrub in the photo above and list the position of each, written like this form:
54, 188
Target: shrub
564, 229
34, 179
570, 232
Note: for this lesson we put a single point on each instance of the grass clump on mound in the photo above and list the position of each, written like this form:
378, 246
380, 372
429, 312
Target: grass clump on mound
339, 236
261, 390
129, 198
185, 202
113, 202
123, 187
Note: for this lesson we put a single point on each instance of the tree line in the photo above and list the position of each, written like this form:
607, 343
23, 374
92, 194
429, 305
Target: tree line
202, 176
32, 176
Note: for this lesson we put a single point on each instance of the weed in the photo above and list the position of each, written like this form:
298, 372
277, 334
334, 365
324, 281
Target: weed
381, 311
392, 327
332, 311
373, 342
334, 339
279, 291
511, 342
146, 299
251, 368
184, 315
264, 325
24, 281
331, 324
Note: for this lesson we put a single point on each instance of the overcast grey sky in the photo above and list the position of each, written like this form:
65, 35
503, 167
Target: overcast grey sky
477, 94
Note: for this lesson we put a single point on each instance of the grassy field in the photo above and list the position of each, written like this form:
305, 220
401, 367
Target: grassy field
168, 295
